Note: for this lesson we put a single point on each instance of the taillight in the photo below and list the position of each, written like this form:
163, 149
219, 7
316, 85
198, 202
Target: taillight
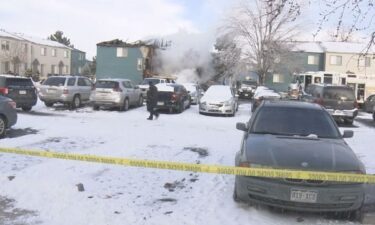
65, 91
319, 101
174, 97
13, 104
244, 164
356, 105
4, 91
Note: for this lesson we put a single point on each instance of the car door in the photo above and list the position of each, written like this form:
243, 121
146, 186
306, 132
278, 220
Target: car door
371, 104
129, 91
84, 86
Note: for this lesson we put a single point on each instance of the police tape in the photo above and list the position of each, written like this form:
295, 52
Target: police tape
216, 169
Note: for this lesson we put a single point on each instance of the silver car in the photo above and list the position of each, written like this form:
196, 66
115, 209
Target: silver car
299, 136
218, 99
8, 114
194, 92
120, 93
70, 90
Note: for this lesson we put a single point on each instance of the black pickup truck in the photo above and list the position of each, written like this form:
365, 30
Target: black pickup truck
172, 97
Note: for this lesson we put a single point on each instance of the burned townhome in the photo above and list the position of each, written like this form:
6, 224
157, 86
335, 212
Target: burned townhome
119, 59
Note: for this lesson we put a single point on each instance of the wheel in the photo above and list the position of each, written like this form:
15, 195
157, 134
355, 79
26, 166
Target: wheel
235, 196
95, 107
3, 126
181, 107
373, 115
48, 104
125, 105
76, 103
140, 101
170, 110
26, 108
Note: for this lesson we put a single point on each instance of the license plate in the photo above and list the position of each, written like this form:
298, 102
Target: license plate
303, 196
246, 95
160, 103
22, 92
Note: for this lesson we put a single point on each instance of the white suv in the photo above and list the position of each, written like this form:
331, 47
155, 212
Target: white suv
70, 90
144, 86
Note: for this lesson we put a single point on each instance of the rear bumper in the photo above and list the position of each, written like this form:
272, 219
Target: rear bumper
54, 99
351, 113
107, 103
25, 102
11, 118
330, 198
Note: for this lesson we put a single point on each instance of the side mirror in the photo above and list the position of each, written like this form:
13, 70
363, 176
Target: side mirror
242, 126
348, 134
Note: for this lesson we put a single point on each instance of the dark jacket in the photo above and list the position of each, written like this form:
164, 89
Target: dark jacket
152, 97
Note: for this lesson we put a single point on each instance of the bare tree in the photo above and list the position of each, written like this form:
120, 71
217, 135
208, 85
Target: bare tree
343, 35
357, 15
15, 53
266, 28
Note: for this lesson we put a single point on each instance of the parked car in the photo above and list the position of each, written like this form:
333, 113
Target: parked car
120, 93
172, 97
338, 100
300, 136
8, 114
369, 104
144, 86
262, 94
219, 99
70, 90
194, 92
247, 88
19, 89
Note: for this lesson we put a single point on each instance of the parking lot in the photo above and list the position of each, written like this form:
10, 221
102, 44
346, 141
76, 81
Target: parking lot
125, 195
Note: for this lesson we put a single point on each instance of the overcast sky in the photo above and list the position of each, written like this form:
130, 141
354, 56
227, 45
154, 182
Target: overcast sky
89, 22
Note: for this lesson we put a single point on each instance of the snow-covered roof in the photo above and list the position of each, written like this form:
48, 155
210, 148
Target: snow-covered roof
345, 47
36, 40
313, 47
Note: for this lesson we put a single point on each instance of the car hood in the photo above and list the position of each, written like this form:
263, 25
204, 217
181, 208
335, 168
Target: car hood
301, 153
215, 99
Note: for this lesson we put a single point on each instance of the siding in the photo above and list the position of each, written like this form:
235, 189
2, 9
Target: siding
349, 63
108, 65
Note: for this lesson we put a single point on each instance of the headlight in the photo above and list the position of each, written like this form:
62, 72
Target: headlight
227, 103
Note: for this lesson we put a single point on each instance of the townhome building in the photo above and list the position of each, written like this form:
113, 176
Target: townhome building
78, 61
22, 54
118, 59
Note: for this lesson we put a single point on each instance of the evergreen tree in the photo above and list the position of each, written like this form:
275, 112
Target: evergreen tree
59, 37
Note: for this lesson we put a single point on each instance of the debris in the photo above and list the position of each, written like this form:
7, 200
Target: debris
203, 152
117, 212
80, 187
169, 212
11, 177
300, 219
193, 179
167, 200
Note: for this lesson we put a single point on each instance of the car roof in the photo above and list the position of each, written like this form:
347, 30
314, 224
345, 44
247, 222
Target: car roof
12, 76
330, 85
66, 76
112, 79
291, 104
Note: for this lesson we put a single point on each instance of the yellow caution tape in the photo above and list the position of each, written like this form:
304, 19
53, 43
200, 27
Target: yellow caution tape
217, 169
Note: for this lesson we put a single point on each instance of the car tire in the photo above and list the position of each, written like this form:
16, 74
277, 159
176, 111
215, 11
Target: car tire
181, 107
26, 108
48, 104
125, 106
76, 102
235, 196
3, 126
95, 107
170, 110
348, 121
140, 101
373, 115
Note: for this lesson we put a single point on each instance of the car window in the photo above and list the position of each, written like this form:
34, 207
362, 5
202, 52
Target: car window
294, 121
87, 82
153, 80
55, 81
106, 84
372, 98
81, 82
338, 93
127, 84
71, 81
18, 82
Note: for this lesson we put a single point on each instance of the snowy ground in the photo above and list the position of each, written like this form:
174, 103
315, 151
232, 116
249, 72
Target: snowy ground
44, 191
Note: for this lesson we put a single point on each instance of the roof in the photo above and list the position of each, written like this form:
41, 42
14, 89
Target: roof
120, 43
304, 46
345, 47
12, 76
36, 40
112, 79
291, 104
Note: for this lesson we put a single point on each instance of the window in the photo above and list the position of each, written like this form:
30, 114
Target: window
6, 66
79, 70
42, 69
312, 60
278, 78
5, 45
25, 48
25, 66
335, 60
122, 52
84, 82
81, 56
66, 69
127, 84
54, 52
140, 64
71, 81
66, 54
53, 69
43, 51
366, 62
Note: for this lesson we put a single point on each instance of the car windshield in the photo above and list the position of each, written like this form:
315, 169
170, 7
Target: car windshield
294, 121
19, 82
55, 81
106, 84
154, 81
219, 91
247, 82
339, 93
191, 88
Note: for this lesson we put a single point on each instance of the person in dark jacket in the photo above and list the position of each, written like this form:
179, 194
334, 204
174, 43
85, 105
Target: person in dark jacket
152, 98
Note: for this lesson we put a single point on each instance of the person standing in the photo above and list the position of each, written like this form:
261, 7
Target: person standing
152, 98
